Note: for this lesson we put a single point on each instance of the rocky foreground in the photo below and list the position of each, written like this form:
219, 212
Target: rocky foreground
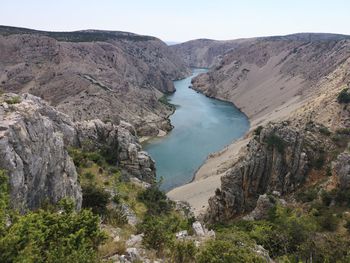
34, 143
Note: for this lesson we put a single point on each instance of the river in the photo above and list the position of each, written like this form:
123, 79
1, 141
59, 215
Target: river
202, 125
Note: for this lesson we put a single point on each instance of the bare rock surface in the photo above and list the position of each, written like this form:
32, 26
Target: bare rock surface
278, 159
93, 74
33, 152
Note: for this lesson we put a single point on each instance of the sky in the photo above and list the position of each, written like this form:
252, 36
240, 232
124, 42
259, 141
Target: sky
182, 20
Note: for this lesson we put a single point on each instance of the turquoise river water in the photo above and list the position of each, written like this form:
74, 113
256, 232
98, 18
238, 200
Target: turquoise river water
201, 126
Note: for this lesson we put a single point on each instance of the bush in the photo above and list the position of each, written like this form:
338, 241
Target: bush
4, 198
45, 236
222, 251
274, 141
156, 201
96, 198
344, 131
157, 232
307, 196
164, 100
347, 225
328, 221
324, 130
13, 100
319, 162
115, 217
344, 96
183, 252
258, 130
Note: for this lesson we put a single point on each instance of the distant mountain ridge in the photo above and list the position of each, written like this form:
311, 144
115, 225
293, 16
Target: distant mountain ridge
77, 36
93, 74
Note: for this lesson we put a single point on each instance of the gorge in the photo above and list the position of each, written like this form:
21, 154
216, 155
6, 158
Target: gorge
202, 125
270, 175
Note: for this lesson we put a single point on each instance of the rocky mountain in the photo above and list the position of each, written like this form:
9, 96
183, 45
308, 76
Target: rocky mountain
93, 74
34, 143
289, 86
203, 53
265, 74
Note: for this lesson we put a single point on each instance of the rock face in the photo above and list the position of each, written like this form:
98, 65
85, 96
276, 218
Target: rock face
261, 75
33, 152
276, 160
342, 170
120, 143
93, 74
34, 138
203, 53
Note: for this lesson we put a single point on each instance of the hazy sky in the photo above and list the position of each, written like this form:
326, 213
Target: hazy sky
180, 20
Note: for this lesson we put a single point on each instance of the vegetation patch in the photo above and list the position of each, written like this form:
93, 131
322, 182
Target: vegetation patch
258, 130
165, 100
274, 141
325, 131
13, 100
344, 96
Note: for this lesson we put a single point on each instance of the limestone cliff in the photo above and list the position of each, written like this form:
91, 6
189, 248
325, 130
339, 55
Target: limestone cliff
34, 138
93, 74
279, 158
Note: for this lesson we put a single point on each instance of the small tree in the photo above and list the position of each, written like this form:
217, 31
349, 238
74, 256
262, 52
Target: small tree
344, 96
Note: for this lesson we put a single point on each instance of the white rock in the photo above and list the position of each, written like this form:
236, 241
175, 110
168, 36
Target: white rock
134, 240
182, 234
198, 228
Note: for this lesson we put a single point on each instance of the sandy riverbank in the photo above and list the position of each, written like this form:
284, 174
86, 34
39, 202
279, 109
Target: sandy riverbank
207, 178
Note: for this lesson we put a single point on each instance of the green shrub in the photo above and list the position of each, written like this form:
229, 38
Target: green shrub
183, 252
115, 217
347, 225
274, 141
328, 221
13, 100
307, 196
156, 201
89, 175
45, 236
326, 198
157, 232
222, 251
344, 131
164, 100
258, 130
319, 162
4, 198
344, 96
324, 130
96, 198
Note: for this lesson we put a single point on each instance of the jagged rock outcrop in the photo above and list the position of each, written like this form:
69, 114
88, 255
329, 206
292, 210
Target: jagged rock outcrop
120, 143
34, 138
342, 170
93, 74
278, 159
264, 205
33, 152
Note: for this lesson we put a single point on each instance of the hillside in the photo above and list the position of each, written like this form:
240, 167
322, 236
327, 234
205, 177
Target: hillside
93, 74
271, 79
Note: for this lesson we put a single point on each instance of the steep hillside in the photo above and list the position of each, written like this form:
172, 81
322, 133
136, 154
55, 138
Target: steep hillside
272, 79
266, 74
34, 143
203, 53
93, 74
